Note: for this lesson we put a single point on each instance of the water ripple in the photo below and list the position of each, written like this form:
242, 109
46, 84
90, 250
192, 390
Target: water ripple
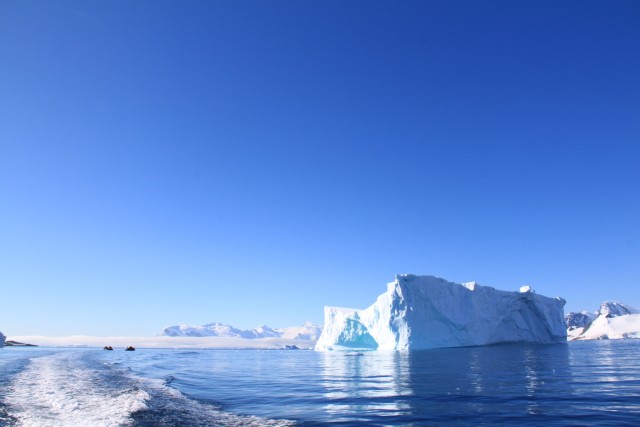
580, 383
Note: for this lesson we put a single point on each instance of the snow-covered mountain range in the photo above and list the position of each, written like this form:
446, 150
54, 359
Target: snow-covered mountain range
307, 332
613, 320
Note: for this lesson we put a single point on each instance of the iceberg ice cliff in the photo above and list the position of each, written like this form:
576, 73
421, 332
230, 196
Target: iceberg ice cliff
2, 339
422, 312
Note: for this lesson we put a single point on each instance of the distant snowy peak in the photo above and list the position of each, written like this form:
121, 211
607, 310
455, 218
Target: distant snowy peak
579, 320
263, 331
208, 330
613, 320
613, 309
308, 331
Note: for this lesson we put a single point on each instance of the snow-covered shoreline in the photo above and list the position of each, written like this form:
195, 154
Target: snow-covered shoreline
165, 342
613, 320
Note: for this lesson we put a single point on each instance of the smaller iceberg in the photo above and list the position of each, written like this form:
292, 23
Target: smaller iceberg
422, 312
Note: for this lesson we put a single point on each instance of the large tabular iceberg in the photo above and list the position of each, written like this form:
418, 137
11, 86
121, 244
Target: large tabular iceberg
421, 312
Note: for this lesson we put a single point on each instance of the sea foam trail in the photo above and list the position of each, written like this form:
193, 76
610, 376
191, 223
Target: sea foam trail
76, 389
62, 390
169, 407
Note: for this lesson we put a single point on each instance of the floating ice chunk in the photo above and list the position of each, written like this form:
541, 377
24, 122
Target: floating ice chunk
470, 285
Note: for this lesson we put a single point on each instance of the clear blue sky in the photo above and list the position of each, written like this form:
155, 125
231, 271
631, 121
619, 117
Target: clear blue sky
249, 162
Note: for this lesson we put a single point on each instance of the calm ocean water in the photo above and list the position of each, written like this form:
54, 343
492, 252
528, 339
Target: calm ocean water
580, 383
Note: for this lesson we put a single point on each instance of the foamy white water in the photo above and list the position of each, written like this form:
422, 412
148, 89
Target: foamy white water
74, 388
59, 390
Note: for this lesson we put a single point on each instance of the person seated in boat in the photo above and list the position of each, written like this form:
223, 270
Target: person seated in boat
108, 347
129, 349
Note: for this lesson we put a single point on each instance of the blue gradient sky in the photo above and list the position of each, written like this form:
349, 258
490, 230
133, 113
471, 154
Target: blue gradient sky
250, 162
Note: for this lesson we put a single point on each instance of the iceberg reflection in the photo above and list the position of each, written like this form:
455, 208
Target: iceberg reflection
444, 385
366, 383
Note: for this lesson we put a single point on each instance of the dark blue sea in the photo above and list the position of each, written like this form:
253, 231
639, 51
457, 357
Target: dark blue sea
579, 383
